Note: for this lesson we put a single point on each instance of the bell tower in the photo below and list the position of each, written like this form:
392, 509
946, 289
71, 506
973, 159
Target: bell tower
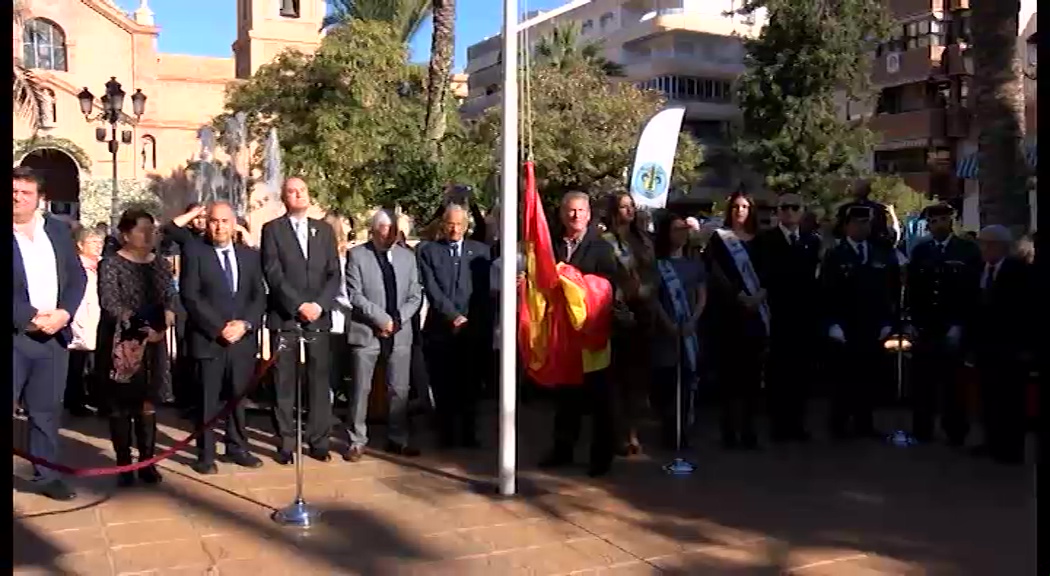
265, 28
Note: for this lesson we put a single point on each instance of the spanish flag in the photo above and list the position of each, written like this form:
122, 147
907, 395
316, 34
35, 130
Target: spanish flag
564, 316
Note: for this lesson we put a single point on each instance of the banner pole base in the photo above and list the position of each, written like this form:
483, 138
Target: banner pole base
297, 514
680, 467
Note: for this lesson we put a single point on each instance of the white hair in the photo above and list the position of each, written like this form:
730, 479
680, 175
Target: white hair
381, 218
995, 233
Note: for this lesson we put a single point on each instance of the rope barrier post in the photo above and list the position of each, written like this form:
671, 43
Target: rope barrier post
298, 513
679, 466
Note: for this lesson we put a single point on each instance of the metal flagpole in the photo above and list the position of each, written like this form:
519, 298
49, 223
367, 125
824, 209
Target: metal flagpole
298, 513
679, 466
509, 252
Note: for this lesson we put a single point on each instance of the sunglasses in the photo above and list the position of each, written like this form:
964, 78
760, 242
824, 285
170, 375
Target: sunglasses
790, 207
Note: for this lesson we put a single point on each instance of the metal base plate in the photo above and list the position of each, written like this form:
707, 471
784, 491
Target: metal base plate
901, 439
297, 514
680, 467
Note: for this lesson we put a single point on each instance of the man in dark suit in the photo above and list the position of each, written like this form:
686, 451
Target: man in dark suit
1001, 336
861, 290
455, 275
301, 269
940, 295
49, 283
582, 246
222, 287
786, 259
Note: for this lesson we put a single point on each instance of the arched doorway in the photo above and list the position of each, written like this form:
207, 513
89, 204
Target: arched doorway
61, 179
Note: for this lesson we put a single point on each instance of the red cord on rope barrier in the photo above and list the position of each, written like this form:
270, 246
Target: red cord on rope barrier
108, 471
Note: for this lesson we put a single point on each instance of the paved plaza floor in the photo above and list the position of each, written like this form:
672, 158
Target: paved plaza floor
819, 509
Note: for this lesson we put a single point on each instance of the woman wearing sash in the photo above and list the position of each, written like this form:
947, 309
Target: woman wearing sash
635, 285
675, 345
739, 322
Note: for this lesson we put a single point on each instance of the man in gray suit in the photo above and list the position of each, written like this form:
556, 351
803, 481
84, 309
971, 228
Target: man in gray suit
382, 281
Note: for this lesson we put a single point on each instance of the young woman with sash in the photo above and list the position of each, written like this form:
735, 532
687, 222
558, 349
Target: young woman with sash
633, 317
739, 322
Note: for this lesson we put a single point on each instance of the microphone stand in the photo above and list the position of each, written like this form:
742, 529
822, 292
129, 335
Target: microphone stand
298, 513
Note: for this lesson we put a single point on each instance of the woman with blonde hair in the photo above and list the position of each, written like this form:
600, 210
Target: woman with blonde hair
81, 387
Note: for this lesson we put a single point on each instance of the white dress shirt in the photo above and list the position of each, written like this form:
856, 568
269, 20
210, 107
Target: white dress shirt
342, 299
788, 233
856, 248
41, 266
991, 271
220, 251
301, 227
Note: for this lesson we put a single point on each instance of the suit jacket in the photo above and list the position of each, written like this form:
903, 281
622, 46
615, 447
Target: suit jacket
942, 289
1004, 325
789, 275
210, 304
294, 280
453, 294
71, 281
364, 285
593, 255
861, 298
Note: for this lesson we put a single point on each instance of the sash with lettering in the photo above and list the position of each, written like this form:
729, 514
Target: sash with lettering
564, 316
743, 265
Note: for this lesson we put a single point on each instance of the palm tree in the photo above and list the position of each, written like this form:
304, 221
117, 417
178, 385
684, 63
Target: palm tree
442, 45
562, 49
28, 97
405, 15
999, 91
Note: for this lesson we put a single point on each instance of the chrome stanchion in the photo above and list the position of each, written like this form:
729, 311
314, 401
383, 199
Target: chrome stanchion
298, 513
900, 437
679, 466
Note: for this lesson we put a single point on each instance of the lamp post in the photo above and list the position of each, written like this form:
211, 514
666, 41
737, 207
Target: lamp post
113, 114
1031, 56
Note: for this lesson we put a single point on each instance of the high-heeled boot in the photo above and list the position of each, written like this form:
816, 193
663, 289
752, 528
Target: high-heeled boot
146, 436
120, 434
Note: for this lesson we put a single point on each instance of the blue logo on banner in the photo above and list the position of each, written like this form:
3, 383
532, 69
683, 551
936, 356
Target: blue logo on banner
650, 180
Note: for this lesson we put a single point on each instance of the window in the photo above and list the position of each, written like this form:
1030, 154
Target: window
889, 101
897, 161
692, 88
606, 20
43, 45
587, 27
149, 152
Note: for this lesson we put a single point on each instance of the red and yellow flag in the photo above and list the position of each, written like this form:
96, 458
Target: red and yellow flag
564, 316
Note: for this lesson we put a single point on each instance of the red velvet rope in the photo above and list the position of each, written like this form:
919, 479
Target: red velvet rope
108, 471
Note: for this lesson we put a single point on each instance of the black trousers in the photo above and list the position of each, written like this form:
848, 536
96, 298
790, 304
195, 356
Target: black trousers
790, 370
1002, 384
81, 386
455, 379
936, 389
231, 372
571, 404
185, 381
342, 364
739, 384
316, 386
857, 369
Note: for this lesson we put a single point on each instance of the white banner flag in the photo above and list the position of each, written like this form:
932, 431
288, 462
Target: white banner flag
654, 158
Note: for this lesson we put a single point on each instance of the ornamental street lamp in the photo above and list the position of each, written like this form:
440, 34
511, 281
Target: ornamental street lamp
1031, 53
112, 113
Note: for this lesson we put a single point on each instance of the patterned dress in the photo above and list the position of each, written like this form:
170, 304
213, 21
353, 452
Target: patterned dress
133, 296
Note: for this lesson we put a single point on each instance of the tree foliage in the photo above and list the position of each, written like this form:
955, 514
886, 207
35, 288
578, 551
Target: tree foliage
27, 96
809, 51
583, 130
892, 191
562, 49
404, 16
349, 118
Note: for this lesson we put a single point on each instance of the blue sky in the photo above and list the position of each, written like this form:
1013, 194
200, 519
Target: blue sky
185, 31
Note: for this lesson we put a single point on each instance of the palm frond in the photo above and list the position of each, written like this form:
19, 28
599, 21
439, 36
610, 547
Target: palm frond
26, 94
406, 16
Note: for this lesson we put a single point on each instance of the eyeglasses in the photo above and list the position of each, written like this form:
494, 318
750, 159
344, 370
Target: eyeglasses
791, 207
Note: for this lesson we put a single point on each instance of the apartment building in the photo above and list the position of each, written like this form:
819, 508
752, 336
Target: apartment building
686, 49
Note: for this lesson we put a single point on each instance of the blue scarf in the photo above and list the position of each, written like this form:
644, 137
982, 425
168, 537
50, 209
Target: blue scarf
682, 312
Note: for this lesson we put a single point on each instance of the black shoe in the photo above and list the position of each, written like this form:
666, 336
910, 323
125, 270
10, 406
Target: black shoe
80, 411
401, 450
354, 454
556, 460
126, 479
244, 459
322, 454
205, 468
284, 457
150, 475
58, 490
599, 468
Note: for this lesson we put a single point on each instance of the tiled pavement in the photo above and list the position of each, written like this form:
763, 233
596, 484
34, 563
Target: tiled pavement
809, 510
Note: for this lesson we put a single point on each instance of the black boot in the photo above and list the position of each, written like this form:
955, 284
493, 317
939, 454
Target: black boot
146, 435
120, 434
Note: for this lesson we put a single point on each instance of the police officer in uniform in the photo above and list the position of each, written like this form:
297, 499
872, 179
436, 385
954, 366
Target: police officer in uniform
880, 216
861, 285
940, 295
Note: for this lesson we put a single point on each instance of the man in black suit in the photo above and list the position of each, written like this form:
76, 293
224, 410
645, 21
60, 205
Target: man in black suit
786, 259
222, 287
582, 246
301, 268
940, 295
1002, 335
49, 283
455, 276
861, 290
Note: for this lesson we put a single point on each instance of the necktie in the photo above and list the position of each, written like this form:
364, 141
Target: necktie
860, 252
793, 238
989, 276
455, 269
300, 234
227, 269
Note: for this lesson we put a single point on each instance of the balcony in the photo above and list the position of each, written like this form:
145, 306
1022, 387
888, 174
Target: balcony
915, 65
906, 8
669, 63
636, 25
915, 125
